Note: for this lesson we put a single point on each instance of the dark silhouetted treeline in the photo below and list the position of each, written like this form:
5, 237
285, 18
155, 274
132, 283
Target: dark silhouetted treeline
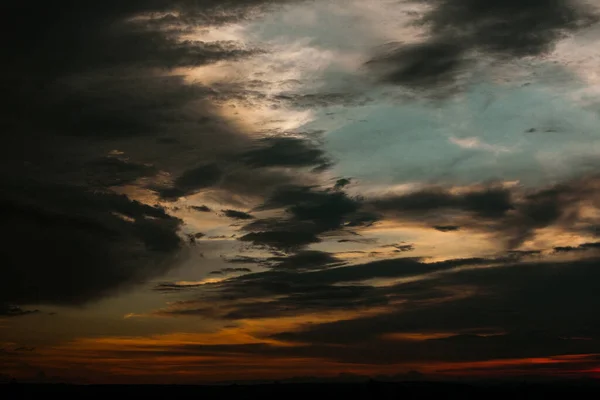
344, 391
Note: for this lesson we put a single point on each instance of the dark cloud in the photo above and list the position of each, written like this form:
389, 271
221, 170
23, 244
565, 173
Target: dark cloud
449, 349
236, 270
112, 88
68, 245
201, 208
310, 212
567, 353
259, 183
197, 178
168, 287
581, 247
341, 183
244, 260
325, 209
430, 64
285, 152
546, 299
284, 240
319, 299
313, 281
192, 237
458, 30
192, 181
105, 81
113, 171
557, 205
234, 214
230, 270
305, 260
393, 268
302, 260
484, 308
93, 104
7, 310
446, 228
488, 203
523, 253
404, 247
512, 28
514, 214
113, 36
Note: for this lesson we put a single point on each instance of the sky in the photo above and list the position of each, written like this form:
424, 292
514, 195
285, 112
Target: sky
202, 191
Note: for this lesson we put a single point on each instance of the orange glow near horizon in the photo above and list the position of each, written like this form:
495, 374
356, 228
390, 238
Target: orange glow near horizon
225, 355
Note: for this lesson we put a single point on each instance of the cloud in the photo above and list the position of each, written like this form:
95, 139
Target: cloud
459, 31
111, 115
548, 299
285, 152
114, 171
513, 213
581, 247
476, 143
282, 240
202, 208
302, 260
305, 260
193, 180
447, 349
446, 228
111, 37
234, 214
510, 213
312, 281
68, 245
318, 299
489, 203
244, 260
323, 100
309, 212
7, 310
404, 247
512, 28
324, 209
115, 88
230, 270
430, 64
557, 366
341, 183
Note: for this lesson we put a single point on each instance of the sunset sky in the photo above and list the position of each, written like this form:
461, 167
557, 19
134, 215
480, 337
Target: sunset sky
226, 190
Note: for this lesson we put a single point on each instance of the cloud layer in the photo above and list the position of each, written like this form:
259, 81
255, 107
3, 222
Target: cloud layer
464, 32
241, 186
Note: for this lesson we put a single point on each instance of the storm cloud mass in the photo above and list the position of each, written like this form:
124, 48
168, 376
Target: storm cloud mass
92, 105
197, 191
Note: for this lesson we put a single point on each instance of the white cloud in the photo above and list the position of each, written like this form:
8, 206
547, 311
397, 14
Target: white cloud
474, 142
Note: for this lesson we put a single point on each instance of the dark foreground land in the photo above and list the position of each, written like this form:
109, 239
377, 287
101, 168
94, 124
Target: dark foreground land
309, 391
